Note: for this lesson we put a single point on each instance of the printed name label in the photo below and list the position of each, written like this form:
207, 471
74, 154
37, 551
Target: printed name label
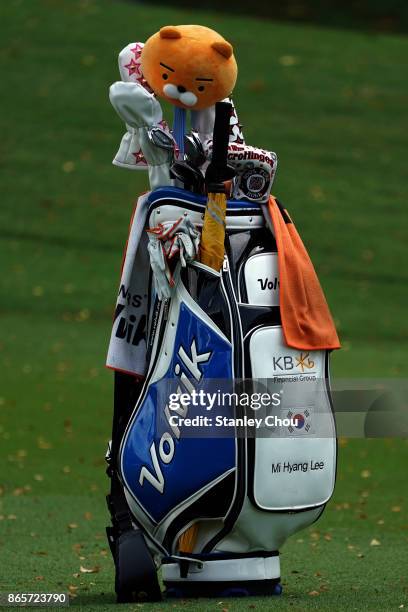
286, 467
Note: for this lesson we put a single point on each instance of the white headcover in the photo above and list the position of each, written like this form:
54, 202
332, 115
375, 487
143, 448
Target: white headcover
130, 154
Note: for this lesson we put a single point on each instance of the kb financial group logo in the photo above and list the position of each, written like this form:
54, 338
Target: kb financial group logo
285, 363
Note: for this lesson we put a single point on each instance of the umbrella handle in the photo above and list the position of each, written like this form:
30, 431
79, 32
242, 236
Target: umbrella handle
217, 170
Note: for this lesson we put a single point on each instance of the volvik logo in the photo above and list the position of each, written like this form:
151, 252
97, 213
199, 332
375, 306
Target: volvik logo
269, 284
188, 370
288, 363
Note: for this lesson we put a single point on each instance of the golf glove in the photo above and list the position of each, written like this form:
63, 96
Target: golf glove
164, 245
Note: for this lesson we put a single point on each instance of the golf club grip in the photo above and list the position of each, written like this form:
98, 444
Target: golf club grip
223, 112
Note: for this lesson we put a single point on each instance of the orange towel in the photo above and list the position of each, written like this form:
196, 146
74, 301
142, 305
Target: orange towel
306, 320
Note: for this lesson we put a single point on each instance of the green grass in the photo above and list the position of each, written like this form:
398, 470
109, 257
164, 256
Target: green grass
336, 115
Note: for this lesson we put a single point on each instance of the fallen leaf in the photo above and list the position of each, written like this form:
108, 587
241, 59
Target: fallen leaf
375, 542
72, 526
365, 474
87, 516
89, 570
38, 477
313, 593
396, 509
288, 60
43, 444
327, 537
68, 426
68, 166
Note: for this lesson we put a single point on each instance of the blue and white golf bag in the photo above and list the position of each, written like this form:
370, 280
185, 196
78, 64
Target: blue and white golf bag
242, 488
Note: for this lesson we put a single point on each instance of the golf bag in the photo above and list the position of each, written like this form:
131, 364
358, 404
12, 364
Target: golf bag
242, 489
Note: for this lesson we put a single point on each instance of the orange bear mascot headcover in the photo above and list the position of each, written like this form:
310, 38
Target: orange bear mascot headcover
191, 66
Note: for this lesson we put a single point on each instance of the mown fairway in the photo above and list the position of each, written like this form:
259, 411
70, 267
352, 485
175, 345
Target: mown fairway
332, 104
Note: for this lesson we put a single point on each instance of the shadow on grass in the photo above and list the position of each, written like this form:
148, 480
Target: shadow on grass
86, 600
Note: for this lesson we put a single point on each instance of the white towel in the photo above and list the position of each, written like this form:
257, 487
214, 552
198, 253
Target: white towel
127, 346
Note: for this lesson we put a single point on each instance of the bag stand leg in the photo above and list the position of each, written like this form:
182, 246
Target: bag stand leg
135, 571
135, 577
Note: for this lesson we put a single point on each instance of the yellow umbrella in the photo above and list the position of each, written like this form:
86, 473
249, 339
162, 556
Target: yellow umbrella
213, 233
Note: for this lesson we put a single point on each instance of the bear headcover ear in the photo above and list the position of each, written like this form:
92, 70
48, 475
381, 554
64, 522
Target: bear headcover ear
169, 32
223, 47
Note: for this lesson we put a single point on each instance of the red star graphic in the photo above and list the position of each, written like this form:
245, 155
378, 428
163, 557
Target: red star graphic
139, 158
137, 50
133, 67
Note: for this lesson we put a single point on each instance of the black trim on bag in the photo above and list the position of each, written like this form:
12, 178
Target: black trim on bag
203, 288
206, 507
283, 212
240, 492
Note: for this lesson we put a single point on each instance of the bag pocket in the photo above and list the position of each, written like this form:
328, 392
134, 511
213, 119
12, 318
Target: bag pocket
294, 451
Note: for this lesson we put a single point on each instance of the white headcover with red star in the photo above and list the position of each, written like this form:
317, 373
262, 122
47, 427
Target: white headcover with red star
130, 154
